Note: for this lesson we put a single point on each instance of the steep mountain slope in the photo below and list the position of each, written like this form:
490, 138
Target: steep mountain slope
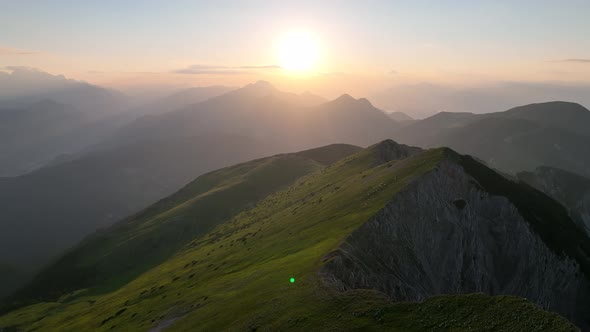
109, 258
571, 190
237, 275
521, 138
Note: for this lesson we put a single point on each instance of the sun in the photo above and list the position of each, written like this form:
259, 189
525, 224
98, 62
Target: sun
298, 51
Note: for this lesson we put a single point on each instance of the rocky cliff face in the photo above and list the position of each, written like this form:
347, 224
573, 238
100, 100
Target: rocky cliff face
571, 190
446, 234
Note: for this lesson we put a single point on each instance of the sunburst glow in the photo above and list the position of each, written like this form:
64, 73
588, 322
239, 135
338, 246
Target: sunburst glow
299, 51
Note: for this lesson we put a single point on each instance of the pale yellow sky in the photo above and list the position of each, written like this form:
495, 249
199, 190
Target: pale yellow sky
363, 47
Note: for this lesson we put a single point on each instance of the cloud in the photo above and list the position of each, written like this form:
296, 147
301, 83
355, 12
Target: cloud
393, 72
221, 70
15, 51
207, 69
23, 69
262, 67
575, 60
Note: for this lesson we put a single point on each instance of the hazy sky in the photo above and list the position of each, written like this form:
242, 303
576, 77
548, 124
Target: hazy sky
362, 44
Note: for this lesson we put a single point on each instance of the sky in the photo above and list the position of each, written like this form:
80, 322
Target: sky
362, 46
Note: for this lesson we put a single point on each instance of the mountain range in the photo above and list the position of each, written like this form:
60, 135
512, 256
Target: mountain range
263, 112
117, 182
340, 242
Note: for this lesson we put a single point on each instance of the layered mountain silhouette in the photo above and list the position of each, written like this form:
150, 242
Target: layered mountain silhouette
29, 85
45, 119
326, 244
522, 138
260, 110
57, 205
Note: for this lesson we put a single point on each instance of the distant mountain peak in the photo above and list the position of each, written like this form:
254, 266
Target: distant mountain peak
345, 98
261, 84
258, 89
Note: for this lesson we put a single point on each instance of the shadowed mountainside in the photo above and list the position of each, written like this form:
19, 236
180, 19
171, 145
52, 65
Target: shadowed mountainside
571, 190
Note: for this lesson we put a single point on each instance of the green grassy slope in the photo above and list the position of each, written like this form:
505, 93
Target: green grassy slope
117, 255
236, 277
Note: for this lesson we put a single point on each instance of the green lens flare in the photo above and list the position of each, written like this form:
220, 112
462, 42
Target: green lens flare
292, 280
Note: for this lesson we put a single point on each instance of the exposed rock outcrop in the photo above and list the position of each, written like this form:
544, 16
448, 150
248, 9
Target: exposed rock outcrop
445, 233
389, 150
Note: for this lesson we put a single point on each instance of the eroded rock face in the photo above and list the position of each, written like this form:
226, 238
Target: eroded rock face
443, 234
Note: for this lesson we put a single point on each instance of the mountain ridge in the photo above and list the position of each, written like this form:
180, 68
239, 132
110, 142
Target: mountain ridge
243, 266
